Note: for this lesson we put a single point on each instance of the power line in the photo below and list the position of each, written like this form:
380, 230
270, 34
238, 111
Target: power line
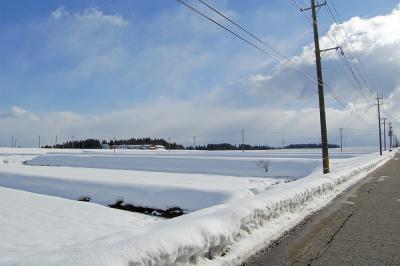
346, 61
312, 21
342, 31
275, 53
222, 26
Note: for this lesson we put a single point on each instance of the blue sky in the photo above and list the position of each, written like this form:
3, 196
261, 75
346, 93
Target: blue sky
94, 58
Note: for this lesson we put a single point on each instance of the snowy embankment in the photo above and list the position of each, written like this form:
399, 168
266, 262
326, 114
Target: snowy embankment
31, 224
231, 229
146, 189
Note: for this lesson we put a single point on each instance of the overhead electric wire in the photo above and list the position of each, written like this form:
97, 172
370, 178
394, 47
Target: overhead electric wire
355, 54
286, 61
346, 61
297, 3
361, 71
339, 30
337, 44
363, 84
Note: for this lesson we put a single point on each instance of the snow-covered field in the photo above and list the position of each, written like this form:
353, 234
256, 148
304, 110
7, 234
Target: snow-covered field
234, 205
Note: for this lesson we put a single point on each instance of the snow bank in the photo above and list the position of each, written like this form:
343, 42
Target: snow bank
147, 189
31, 224
203, 236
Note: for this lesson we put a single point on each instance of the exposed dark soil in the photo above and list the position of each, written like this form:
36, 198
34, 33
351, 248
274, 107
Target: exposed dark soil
168, 213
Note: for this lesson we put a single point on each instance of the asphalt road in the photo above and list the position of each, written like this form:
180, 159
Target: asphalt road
360, 227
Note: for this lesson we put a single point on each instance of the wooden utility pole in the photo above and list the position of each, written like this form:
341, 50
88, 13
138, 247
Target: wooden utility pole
242, 140
194, 142
341, 139
384, 132
169, 144
379, 123
390, 136
39, 141
322, 117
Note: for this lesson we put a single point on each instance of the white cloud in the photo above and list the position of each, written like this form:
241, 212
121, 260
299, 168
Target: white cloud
171, 67
95, 14
18, 113
92, 14
59, 12
376, 41
181, 121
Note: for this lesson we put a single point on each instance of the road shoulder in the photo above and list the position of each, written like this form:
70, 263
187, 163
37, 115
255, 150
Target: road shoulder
357, 228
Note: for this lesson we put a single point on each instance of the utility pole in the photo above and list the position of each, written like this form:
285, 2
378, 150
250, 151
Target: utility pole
56, 141
384, 132
324, 134
341, 139
39, 141
379, 123
242, 140
194, 142
169, 144
12, 141
283, 144
72, 142
390, 136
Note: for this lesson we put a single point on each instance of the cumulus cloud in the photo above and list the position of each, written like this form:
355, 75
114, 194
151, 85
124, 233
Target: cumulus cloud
375, 41
18, 113
95, 14
92, 14
59, 12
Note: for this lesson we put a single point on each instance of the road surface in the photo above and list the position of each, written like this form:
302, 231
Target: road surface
360, 227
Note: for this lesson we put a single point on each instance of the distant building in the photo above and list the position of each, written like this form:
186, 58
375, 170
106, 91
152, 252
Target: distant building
136, 147
105, 146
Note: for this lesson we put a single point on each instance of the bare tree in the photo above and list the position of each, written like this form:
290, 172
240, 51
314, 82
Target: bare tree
263, 164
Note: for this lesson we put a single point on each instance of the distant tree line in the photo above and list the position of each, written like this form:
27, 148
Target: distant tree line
228, 146
309, 146
79, 144
97, 144
144, 141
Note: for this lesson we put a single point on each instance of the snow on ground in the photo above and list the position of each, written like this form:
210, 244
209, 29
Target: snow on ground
237, 221
201, 179
31, 223
147, 189
218, 165
293, 163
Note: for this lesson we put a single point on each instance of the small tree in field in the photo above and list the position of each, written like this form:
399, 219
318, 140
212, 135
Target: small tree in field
263, 164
